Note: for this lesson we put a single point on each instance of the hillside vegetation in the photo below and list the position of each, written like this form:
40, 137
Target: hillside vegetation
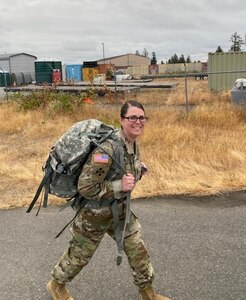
201, 152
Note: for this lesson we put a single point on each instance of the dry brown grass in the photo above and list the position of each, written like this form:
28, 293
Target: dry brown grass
199, 153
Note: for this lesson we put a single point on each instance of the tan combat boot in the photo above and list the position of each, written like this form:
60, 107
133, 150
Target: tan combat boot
149, 294
58, 291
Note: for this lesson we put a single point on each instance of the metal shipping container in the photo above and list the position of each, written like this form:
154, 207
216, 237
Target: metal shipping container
103, 68
44, 70
74, 72
4, 79
227, 62
90, 73
153, 69
90, 64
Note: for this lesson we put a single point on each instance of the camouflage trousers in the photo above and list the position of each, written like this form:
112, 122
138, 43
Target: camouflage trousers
88, 229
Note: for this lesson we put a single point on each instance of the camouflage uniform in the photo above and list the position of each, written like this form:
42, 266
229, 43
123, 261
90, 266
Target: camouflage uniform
100, 179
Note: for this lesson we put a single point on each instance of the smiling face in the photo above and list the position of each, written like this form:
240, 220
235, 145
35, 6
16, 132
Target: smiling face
132, 129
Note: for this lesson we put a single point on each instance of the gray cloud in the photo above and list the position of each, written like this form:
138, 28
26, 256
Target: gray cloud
74, 30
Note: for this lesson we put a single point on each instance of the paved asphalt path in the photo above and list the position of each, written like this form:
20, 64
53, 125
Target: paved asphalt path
197, 248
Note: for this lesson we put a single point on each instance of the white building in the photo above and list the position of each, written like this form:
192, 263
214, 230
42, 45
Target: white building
18, 62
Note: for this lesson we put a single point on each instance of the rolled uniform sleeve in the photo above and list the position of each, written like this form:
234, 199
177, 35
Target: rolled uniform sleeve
93, 183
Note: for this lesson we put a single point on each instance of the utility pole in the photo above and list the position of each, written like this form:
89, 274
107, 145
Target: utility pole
103, 54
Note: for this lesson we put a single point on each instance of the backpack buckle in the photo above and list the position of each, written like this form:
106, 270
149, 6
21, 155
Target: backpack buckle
61, 168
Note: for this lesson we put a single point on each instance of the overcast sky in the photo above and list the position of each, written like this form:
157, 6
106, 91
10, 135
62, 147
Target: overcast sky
74, 31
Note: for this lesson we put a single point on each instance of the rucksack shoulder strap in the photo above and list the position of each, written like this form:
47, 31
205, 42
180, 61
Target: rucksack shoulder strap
42, 184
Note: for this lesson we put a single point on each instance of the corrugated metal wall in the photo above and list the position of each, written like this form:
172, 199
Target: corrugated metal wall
225, 62
22, 63
19, 63
164, 68
44, 69
126, 60
138, 70
4, 64
74, 72
4, 79
89, 74
176, 68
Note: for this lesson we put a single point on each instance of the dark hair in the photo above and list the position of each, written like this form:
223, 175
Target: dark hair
128, 104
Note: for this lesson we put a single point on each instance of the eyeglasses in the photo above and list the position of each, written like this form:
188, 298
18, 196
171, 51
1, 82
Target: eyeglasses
134, 119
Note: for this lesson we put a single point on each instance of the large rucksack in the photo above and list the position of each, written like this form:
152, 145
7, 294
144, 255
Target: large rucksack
64, 165
67, 157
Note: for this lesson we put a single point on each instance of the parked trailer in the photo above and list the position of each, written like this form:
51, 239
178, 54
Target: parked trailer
201, 76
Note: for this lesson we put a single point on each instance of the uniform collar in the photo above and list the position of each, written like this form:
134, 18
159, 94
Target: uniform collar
130, 148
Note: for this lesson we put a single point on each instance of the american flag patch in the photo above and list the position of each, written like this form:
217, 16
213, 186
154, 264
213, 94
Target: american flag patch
100, 158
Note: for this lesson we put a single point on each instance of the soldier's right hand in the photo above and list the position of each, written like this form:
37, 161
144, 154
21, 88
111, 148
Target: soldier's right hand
128, 182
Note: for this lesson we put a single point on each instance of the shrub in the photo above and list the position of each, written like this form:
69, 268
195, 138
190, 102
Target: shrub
52, 101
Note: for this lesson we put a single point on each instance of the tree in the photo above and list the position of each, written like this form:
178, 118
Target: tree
188, 60
153, 59
137, 52
237, 42
218, 50
145, 52
174, 59
182, 59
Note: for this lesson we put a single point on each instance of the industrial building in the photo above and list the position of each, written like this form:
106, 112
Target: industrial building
126, 60
18, 63
133, 64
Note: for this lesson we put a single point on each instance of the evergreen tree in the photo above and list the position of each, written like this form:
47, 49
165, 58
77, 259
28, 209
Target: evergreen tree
153, 59
174, 59
137, 52
181, 59
237, 42
188, 60
219, 50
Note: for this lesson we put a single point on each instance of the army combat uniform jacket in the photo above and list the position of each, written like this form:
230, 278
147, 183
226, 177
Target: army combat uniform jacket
101, 177
100, 180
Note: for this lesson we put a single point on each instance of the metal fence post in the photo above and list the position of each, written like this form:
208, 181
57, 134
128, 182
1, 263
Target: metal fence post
115, 84
186, 90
